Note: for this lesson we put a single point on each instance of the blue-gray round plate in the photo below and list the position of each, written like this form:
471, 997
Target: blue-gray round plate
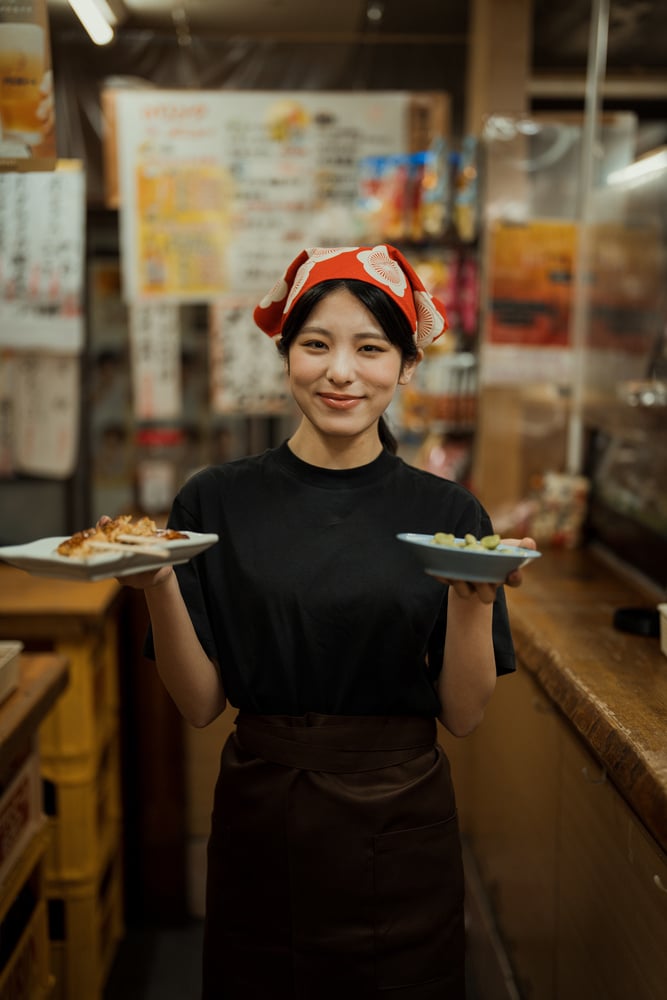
473, 565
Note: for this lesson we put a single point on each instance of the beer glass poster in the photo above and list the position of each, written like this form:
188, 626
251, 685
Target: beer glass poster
27, 117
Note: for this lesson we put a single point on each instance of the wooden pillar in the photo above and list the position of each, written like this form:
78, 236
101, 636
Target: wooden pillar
499, 59
499, 70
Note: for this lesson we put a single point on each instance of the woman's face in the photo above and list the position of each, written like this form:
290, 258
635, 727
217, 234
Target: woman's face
343, 370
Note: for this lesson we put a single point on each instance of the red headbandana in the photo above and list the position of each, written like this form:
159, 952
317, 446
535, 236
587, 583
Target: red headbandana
384, 266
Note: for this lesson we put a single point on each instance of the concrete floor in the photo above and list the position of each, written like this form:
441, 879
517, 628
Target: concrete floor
164, 964
157, 964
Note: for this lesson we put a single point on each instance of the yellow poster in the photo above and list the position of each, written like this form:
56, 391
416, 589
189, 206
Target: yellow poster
27, 116
183, 228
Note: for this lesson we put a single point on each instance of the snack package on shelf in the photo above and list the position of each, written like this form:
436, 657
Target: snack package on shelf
443, 393
404, 196
468, 295
394, 197
434, 200
560, 503
369, 198
466, 191
446, 455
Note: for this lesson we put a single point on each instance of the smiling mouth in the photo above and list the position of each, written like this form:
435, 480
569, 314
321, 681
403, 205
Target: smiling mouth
337, 402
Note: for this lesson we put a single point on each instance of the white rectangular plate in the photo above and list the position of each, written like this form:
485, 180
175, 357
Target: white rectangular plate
40, 558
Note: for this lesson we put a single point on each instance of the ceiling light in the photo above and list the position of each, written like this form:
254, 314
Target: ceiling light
375, 12
114, 12
641, 170
93, 20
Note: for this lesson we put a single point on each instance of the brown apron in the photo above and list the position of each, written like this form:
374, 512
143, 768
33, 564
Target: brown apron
334, 863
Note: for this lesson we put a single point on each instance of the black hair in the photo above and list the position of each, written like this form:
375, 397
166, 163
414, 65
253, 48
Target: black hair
389, 315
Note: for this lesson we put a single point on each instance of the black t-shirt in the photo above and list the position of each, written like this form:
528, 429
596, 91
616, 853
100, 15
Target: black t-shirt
309, 602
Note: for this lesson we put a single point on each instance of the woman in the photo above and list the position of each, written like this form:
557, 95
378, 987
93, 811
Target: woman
334, 862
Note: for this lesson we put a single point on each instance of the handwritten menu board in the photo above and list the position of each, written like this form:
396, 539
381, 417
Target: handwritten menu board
39, 414
219, 190
42, 225
41, 319
156, 361
247, 373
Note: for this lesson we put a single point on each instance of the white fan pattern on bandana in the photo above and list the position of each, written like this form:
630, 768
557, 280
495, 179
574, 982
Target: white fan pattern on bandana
429, 320
380, 266
276, 294
315, 255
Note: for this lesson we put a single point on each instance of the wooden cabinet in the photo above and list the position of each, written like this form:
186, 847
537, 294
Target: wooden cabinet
612, 879
576, 884
25, 962
511, 804
524, 791
80, 770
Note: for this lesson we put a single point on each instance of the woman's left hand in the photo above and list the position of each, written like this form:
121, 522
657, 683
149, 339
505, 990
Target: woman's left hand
486, 592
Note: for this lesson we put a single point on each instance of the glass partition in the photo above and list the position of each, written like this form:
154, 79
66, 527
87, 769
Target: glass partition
573, 335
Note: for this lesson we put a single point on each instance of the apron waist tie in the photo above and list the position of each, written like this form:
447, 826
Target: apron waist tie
334, 743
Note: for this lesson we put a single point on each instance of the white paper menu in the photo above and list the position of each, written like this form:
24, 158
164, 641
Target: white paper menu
247, 373
46, 406
155, 360
42, 236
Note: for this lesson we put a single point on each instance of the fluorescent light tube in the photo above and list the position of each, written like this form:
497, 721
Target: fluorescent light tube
640, 170
91, 18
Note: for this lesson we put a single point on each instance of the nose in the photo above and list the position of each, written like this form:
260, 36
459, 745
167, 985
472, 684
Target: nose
340, 369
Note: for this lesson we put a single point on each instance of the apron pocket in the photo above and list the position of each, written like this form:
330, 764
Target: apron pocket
419, 933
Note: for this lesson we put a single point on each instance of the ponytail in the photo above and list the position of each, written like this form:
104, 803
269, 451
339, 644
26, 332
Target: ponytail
387, 439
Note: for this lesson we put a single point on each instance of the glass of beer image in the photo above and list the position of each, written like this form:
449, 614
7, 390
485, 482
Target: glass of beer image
21, 74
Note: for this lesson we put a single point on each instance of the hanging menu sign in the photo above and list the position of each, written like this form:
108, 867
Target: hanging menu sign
219, 190
247, 373
156, 361
46, 400
41, 259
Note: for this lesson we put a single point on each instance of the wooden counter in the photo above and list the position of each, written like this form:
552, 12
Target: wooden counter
610, 685
562, 795
42, 678
41, 608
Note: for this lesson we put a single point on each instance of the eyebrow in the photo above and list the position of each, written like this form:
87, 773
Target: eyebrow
362, 335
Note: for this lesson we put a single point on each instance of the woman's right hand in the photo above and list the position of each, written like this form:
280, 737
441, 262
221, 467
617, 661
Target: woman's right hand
147, 579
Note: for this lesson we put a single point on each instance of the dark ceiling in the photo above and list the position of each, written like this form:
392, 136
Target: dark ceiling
637, 39
637, 28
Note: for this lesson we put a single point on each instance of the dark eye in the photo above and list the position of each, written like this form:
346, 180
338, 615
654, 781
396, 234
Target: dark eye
314, 343
372, 349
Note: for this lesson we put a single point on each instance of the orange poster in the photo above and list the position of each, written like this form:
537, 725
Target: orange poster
531, 266
27, 116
